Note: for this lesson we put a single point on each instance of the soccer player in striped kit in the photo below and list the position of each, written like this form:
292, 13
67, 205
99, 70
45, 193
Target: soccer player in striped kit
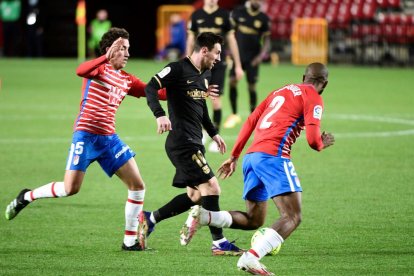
105, 85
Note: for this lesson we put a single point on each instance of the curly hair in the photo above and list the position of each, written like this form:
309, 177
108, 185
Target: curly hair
110, 36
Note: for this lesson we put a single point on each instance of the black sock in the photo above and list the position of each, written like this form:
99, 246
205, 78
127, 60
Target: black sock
217, 118
176, 206
253, 99
211, 203
233, 99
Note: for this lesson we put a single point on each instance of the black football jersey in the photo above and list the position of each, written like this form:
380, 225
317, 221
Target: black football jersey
250, 27
217, 22
186, 89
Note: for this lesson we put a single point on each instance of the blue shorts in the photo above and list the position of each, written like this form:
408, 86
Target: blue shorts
110, 152
266, 176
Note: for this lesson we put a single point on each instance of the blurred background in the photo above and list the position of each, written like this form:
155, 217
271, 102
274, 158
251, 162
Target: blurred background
378, 32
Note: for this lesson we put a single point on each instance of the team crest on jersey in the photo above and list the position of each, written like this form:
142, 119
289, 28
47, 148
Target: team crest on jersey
317, 112
164, 72
257, 24
218, 20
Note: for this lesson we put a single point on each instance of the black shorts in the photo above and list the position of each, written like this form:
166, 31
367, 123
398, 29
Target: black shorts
218, 75
251, 72
191, 167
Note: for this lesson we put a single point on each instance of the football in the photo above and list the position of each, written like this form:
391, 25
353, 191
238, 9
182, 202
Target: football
260, 232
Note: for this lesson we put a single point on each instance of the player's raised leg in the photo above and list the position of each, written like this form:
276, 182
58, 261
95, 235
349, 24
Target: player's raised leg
70, 186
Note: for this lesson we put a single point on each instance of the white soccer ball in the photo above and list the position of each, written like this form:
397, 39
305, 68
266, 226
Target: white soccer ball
260, 232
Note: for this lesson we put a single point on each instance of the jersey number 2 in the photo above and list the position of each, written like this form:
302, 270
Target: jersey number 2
275, 105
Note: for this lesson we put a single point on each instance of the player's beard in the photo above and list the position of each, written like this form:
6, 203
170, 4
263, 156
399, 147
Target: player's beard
207, 64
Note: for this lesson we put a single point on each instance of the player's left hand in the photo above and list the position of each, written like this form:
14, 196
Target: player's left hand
220, 143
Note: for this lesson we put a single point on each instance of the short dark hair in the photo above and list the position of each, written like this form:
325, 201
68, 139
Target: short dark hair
316, 72
110, 36
207, 39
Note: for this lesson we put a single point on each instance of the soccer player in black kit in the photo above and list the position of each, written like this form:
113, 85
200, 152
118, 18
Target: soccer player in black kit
187, 83
212, 18
253, 38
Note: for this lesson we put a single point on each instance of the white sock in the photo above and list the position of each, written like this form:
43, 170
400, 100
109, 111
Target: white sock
217, 242
269, 241
152, 218
54, 189
133, 206
219, 219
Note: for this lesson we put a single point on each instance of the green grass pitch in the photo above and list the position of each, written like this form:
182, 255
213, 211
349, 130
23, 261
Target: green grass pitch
358, 197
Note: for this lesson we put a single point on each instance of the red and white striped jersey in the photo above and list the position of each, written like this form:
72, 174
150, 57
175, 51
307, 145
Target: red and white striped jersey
279, 120
103, 90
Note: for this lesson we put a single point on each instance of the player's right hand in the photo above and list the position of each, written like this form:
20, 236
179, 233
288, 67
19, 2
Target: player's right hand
164, 124
114, 50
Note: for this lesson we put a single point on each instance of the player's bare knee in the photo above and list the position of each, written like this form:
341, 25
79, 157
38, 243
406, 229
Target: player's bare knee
295, 219
195, 197
254, 224
215, 190
214, 187
298, 219
254, 221
136, 186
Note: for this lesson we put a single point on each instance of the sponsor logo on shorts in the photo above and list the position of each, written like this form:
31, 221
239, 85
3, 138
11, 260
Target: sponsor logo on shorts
122, 151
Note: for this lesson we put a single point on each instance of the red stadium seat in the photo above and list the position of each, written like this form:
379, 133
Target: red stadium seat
320, 10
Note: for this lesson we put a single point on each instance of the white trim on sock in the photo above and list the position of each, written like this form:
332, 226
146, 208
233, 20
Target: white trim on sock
133, 206
53, 189
220, 219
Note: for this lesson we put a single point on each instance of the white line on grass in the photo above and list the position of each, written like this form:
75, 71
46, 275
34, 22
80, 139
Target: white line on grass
375, 119
354, 117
